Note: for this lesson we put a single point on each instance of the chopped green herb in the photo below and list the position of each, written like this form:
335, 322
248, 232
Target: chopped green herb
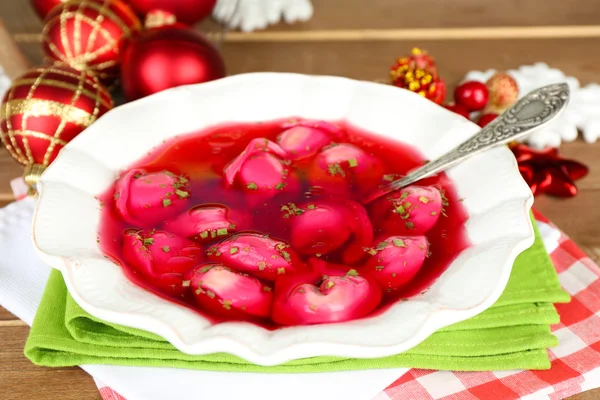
409, 225
262, 265
185, 283
252, 186
311, 207
137, 175
382, 245
233, 250
204, 234
166, 249
352, 162
445, 201
399, 243
210, 294
371, 251
291, 209
404, 195
318, 254
116, 196
423, 199
205, 269
400, 209
286, 255
182, 193
280, 271
313, 307
148, 241
166, 202
329, 284
434, 213
336, 169
227, 304
221, 231
389, 177
394, 274
267, 288
280, 186
352, 272
379, 268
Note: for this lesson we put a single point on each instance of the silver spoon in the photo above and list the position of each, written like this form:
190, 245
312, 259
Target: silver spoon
531, 112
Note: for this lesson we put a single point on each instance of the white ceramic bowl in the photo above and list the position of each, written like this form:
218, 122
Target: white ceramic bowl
495, 196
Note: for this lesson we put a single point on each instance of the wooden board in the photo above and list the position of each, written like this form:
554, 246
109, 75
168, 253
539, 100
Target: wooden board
393, 14
20, 379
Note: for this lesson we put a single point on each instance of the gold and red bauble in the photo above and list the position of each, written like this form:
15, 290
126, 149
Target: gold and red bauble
418, 73
44, 109
168, 56
89, 35
184, 11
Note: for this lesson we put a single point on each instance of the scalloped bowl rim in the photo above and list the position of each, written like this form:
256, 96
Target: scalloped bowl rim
67, 214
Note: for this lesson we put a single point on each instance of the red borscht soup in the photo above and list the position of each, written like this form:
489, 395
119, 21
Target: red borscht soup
263, 222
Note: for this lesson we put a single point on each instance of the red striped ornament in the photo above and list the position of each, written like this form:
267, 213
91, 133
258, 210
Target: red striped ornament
44, 109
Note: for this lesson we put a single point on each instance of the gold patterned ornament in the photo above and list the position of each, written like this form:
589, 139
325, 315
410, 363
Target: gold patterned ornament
44, 109
89, 35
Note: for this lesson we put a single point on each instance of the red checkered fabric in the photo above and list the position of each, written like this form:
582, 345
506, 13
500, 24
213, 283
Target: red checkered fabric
575, 361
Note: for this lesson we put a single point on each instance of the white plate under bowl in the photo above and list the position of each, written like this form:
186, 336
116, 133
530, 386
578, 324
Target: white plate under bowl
496, 198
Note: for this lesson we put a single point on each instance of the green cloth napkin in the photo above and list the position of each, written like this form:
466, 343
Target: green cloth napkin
513, 334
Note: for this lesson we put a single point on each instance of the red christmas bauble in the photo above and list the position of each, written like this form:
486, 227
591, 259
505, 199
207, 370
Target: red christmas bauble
43, 7
486, 119
166, 57
458, 109
185, 11
89, 34
472, 95
47, 107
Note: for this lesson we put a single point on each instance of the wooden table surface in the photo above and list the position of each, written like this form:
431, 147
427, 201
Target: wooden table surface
360, 39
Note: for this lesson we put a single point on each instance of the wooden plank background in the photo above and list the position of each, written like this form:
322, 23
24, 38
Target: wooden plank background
360, 39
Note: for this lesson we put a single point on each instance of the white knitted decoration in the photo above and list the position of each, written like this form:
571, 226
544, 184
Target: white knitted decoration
249, 15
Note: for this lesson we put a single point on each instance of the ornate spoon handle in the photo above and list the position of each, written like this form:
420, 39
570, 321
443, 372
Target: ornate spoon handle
531, 112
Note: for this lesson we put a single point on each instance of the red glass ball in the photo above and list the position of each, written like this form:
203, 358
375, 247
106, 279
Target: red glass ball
167, 57
472, 95
458, 109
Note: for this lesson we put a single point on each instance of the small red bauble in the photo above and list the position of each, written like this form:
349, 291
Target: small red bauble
458, 109
89, 34
185, 11
43, 7
472, 95
47, 107
486, 119
167, 57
